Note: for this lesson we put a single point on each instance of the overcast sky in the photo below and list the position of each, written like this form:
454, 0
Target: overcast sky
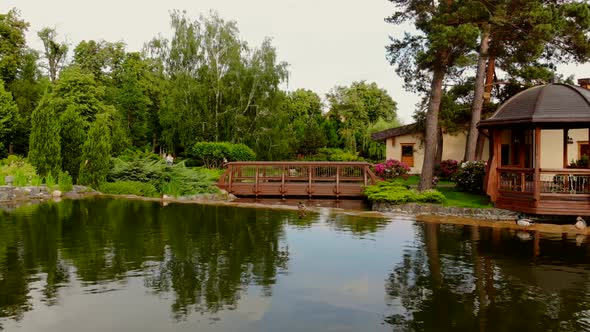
326, 42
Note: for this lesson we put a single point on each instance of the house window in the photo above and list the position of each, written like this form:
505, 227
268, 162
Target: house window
583, 149
408, 154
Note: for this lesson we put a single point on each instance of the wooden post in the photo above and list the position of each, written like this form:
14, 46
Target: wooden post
283, 168
256, 182
537, 166
231, 170
337, 181
309, 177
565, 136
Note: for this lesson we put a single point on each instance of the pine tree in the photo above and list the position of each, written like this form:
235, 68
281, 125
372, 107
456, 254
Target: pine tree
96, 153
72, 141
8, 115
44, 144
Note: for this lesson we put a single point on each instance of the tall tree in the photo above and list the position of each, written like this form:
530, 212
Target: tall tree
12, 44
55, 52
96, 155
8, 115
45, 148
72, 136
526, 37
27, 89
443, 39
356, 109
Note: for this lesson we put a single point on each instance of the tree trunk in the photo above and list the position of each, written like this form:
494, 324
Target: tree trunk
481, 140
432, 128
477, 105
439, 146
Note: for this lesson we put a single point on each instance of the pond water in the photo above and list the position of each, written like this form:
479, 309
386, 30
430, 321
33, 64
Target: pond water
118, 265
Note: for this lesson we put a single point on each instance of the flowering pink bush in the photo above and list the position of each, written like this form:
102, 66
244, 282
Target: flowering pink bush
446, 169
391, 169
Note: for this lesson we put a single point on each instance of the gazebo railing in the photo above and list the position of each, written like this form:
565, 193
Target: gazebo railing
516, 179
553, 181
565, 181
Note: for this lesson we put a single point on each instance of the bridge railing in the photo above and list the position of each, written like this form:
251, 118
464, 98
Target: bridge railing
273, 178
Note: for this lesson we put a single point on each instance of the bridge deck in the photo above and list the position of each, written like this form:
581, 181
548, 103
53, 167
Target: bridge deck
319, 179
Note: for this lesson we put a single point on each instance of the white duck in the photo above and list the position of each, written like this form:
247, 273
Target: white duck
524, 222
580, 223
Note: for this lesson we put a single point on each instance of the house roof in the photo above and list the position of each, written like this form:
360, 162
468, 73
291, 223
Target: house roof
545, 104
392, 132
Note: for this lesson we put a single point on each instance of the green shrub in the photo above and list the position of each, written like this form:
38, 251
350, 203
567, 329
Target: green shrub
470, 176
20, 179
333, 154
398, 193
50, 181
430, 196
13, 164
65, 182
240, 152
212, 154
129, 188
177, 179
36, 180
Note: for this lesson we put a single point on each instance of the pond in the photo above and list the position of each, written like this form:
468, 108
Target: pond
119, 265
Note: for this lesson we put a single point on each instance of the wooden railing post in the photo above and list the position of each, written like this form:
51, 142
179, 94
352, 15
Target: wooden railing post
283, 181
256, 182
309, 170
337, 181
231, 170
537, 166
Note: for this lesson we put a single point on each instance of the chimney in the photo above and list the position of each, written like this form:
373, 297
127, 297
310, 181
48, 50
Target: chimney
584, 83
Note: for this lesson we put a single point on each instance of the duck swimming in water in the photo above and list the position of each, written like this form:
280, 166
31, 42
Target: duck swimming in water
580, 223
524, 222
301, 208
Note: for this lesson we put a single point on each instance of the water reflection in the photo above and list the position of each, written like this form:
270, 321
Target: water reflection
204, 256
484, 279
143, 266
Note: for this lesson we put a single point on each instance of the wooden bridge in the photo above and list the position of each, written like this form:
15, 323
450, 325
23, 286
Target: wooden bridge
281, 178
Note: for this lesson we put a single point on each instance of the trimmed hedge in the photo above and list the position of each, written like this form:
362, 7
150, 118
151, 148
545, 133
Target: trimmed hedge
397, 193
212, 154
129, 188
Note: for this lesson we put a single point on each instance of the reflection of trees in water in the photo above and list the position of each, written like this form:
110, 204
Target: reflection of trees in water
205, 255
465, 278
354, 224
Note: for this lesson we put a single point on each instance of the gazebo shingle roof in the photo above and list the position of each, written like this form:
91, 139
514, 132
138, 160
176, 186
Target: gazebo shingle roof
547, 104
393, 132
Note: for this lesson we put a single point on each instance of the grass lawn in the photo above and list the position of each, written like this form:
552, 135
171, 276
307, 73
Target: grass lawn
413, 180
463, 199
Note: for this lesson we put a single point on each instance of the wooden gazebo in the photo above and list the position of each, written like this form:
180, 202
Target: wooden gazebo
528, 170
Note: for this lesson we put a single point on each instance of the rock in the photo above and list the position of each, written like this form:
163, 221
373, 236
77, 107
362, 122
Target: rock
4, 195
56, 193
231, 197
9, 180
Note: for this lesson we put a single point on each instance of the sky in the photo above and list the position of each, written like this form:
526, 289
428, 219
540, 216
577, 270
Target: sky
325, 42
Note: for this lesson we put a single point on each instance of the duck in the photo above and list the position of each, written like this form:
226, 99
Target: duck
523, 235
524, 222
301, 208
580, 223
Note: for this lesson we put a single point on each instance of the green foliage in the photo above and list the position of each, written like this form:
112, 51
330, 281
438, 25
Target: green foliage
212, 154
72, 140
96, 154
12, 44
176, 180
129, 188
397, 193
8, 115
470, 176
430, 196
45, 149
333, 154
50, 181
13, 165
65, 182
20, 178
36, 180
